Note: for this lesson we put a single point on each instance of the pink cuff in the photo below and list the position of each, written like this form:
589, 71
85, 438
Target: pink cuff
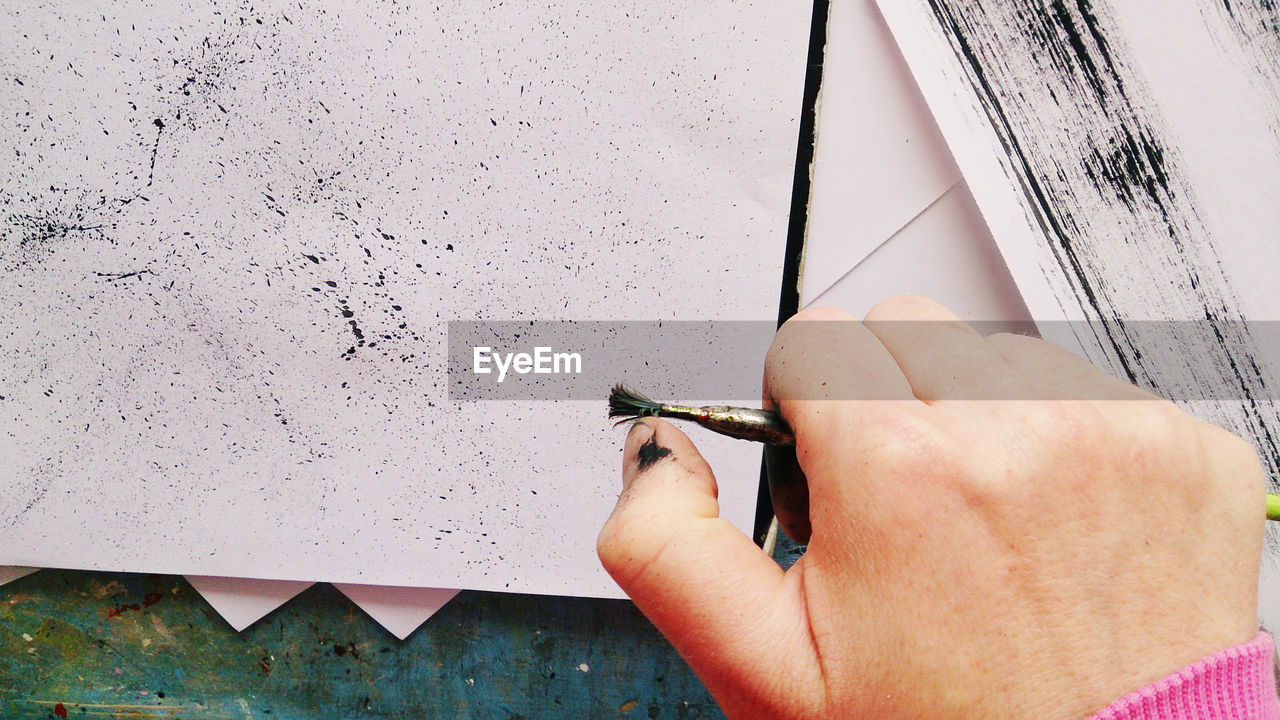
1238, 683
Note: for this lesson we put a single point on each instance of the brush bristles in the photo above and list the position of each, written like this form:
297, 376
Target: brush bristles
628, 404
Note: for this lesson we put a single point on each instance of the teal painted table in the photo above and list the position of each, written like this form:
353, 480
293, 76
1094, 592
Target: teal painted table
119, 645
147, 646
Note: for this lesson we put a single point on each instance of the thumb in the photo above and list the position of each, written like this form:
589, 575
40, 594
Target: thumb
725, 606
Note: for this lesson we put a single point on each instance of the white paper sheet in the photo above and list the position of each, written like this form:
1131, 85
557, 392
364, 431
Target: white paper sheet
879, 159
9, 573
945, 253
184, 176
400, 610
1126, 172
242, 601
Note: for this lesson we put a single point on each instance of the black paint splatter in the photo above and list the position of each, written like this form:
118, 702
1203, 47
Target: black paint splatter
29, 236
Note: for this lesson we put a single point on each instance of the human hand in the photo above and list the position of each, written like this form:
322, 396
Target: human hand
968, 558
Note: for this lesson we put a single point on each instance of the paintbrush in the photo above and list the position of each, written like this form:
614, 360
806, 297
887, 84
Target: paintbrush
751, 424
743, 423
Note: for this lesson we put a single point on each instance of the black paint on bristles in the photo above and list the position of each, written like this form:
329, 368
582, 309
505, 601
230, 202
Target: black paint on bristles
628, 404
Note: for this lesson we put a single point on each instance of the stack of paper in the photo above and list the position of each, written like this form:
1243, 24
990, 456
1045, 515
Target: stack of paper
234, 237
1120, 178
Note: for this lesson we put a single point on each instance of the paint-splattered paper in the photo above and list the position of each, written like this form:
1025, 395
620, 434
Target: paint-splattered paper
1126, 156
233, 233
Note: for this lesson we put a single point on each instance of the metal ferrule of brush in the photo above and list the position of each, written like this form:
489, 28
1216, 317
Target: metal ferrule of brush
742, 423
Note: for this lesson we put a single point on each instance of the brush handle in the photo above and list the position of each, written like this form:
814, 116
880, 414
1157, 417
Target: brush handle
768, 426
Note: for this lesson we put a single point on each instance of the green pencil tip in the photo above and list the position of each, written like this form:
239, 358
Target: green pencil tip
1273, 506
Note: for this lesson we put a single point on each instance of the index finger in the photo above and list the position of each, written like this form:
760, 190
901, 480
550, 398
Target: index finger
822, 355
829, 377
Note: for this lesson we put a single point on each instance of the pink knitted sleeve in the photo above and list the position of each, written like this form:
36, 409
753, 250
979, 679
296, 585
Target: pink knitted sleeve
1238, 683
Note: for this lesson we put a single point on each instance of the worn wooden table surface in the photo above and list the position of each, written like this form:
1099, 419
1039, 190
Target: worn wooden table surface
78, 644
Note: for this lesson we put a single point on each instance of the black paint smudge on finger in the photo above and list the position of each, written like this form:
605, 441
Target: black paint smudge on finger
650, 453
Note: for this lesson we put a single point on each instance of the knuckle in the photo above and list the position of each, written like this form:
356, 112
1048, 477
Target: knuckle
1237, 460
629, 550
619, 541
1230, 446
1155, 429
1012, 344
1071, 424
906, 442
608, 543
795, 329
818, 313
1062, 439
1037, 450
901, 307
775, 358
1232, 484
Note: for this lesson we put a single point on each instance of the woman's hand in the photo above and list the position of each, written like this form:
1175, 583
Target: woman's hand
969, 557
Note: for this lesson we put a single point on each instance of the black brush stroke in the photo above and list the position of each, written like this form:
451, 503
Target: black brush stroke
1134, 162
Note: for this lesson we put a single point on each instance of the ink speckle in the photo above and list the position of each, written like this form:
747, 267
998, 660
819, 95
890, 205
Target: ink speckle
232, 261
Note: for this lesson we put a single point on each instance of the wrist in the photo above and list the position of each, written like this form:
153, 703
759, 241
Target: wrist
1238, 683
